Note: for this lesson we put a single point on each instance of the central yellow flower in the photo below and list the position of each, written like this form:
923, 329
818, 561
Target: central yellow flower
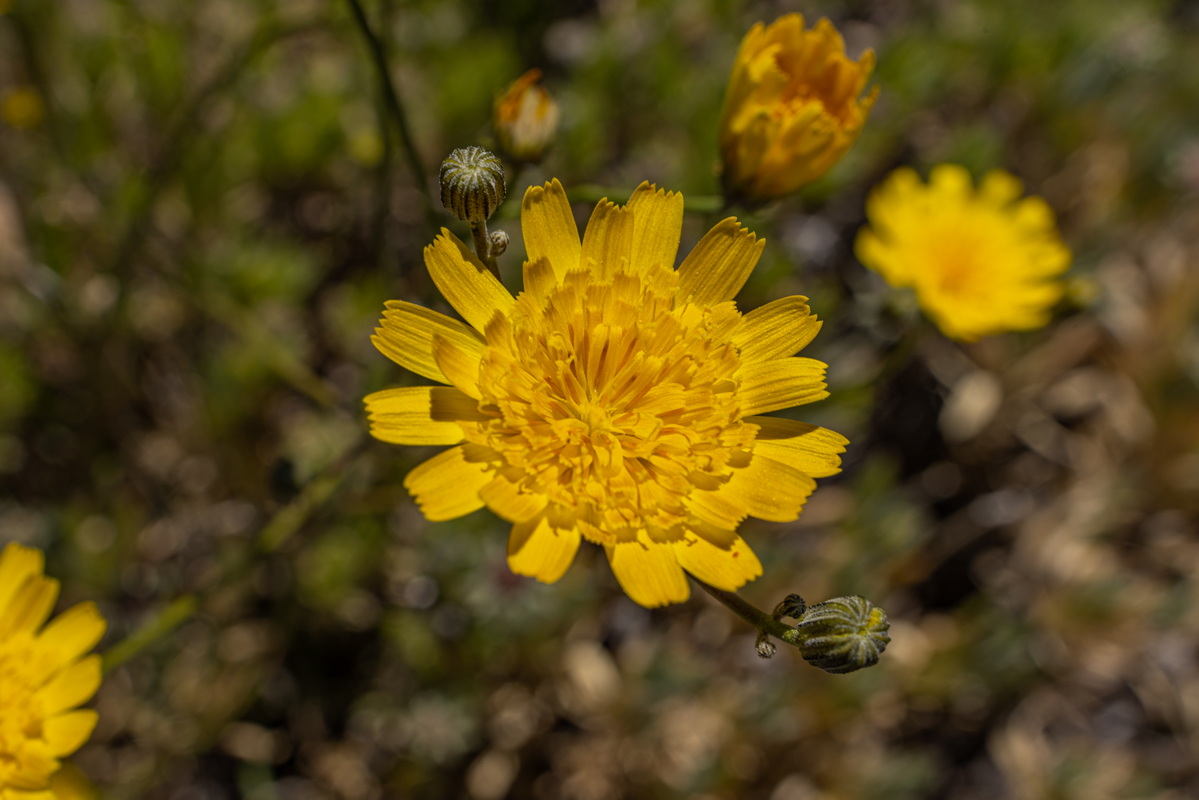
43, 676
614, 399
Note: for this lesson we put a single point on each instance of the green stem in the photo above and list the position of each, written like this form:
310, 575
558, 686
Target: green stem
765, 623
314, 496
391, 99
163, 623
483, 247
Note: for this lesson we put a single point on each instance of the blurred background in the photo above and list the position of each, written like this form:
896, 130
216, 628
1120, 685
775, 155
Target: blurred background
203, 208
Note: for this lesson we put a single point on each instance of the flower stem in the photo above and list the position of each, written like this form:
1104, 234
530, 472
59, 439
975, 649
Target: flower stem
483, 247
163, 623
391, 99
765, 623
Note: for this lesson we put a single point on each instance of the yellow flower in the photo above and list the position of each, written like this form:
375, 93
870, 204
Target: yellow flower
526, 118
791, 110
616, 399
980, 262
44, 676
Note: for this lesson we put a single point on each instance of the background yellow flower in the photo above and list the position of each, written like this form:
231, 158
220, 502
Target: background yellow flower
792, 108
981, 262
616, 399
44, 675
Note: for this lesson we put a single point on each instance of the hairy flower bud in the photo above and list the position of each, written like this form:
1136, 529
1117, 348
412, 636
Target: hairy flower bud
843, 634
472, 184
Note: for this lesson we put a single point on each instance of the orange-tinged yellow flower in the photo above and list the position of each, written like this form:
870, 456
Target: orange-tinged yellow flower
44, 676
526, 118
791, 110
616, 399
980, 261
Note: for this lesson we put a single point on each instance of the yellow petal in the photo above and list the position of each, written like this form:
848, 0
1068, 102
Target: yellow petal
727, 568
418, 415
549, 229
509, 501
17, 564
460, 366
648, 571
66, 733
406, 336
744, 148
69, 783
771, 385
999, 188
719, 265
71, 687
657, 226
808, 448
539, 550
70, 635
539, 280
464, 282
447, 485
768, 489
608, 242
30, 606
713, 508
776, 330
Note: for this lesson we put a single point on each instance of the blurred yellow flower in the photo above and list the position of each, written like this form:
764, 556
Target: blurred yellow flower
791, 110
525, 119
616, 399
22, 107
980, 262
44, 676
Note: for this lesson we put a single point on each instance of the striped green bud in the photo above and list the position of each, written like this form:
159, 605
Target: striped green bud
472, 184
843, 634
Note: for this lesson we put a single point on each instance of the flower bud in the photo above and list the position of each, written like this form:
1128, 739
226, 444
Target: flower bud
793, 606
843, 634
472, 184
792, 109
525, 119
499, 243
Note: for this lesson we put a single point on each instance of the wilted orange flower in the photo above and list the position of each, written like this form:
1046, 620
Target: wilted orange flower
980, 261
791, 110
616, 399
526, 118
44, 676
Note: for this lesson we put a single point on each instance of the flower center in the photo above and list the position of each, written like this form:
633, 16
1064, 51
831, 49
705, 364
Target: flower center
613, 403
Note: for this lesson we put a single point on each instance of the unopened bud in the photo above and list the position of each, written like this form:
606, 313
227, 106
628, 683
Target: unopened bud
472, 184
792, 606
499, 243
843, 634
